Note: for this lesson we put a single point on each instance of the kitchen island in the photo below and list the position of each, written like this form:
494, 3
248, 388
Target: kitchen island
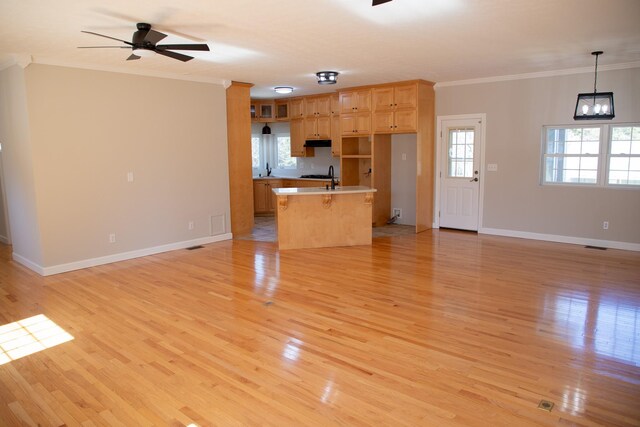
320, 217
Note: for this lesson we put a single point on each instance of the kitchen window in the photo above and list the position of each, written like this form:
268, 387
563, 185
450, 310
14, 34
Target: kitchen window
274, 149
594, 155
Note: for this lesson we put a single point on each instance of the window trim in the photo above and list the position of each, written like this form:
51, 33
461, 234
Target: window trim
604, 155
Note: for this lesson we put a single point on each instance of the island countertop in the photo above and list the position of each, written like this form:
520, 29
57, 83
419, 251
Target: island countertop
313, 191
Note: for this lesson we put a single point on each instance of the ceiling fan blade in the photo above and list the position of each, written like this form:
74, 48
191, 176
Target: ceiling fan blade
132, 57
174, 55
101, 47
377, 2
108, 37
183, 47
154, 37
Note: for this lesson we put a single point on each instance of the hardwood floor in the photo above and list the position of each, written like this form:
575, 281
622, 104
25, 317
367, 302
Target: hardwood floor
436, 329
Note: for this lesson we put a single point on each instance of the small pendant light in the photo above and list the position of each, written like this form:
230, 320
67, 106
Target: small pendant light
266, 130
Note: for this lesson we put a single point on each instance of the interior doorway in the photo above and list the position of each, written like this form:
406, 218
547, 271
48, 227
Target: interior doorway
460, 172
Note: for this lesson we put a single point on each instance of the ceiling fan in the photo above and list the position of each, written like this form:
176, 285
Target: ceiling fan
143, 44
377, 2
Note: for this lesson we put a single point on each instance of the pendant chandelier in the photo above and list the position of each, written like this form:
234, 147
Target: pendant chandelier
595, 105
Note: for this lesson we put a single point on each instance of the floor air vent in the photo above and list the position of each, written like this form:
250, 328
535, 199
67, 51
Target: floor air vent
195, 247
600, 248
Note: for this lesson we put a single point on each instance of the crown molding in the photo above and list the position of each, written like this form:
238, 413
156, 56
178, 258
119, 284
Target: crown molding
538, 75
116, 69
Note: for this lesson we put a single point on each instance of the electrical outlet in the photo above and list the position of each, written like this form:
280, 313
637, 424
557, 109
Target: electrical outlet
112, 237
397, 212
605, 225
129, 176
191, 225
404, 156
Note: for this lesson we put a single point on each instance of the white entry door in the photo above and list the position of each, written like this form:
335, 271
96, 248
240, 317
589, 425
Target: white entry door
460, 144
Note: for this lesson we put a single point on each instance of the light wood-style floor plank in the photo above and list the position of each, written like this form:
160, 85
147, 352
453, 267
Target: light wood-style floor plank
442, 328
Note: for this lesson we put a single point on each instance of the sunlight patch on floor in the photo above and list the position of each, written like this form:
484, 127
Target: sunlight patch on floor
28, 336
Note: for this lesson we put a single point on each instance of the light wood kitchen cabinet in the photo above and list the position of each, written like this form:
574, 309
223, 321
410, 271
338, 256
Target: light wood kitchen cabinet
297, 139
336, 135
355, 124
355, 101
263, 198
282, 110
296, 108
317, 127
317, 106
335, 104
395, 109
262, 111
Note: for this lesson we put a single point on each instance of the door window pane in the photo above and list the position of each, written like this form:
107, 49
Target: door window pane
460, 153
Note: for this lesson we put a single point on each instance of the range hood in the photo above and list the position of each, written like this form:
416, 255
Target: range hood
318, 143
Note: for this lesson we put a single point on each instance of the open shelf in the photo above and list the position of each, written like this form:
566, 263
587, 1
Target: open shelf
356, 146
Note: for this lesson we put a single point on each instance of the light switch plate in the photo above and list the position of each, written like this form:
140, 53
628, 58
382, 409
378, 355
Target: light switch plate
492, 167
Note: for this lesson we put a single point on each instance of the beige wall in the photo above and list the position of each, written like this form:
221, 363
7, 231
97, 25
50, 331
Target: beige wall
4, 217
88, 129
516, 111
18, 166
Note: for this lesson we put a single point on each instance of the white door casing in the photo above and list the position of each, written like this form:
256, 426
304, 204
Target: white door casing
460, 172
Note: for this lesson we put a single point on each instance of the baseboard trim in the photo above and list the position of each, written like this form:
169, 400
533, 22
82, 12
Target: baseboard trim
562, 239
92, 262
4, 239
28, 263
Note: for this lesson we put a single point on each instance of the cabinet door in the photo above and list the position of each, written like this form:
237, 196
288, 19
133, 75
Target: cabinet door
323, 106
363, 101
405, 121
335, 136
406, 96
259, 197
297, 138
310, 107
310, 128
265, 111
363, 123
383, 122
282, 110
347, 102
335, 104
348, 124
270, 197
296, 107
383, 99
323, 127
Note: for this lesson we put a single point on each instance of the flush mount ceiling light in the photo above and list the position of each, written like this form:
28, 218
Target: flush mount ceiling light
327, 77
596, 105
283, 89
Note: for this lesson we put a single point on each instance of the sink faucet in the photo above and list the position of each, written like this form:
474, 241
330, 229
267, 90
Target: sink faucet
268, 170
333, 182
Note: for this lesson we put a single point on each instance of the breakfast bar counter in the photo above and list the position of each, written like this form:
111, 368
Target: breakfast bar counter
319, 217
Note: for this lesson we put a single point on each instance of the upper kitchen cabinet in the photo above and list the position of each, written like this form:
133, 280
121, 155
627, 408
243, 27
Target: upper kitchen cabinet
297, 139
335, 104
296, 108
355, 101
317, 106
262, 110
395, 108
355, 112
282, 110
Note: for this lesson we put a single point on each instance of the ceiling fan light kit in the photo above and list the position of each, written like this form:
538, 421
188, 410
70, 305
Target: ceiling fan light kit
595, 105
144, 41
327, 77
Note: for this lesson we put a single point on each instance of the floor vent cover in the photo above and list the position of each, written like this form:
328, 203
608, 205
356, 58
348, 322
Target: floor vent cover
267, 303
545, 405
195, 247
600, 248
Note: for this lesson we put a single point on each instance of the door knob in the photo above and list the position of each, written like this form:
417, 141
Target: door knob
474, 180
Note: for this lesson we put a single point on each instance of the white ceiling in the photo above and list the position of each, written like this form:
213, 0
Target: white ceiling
284, 42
